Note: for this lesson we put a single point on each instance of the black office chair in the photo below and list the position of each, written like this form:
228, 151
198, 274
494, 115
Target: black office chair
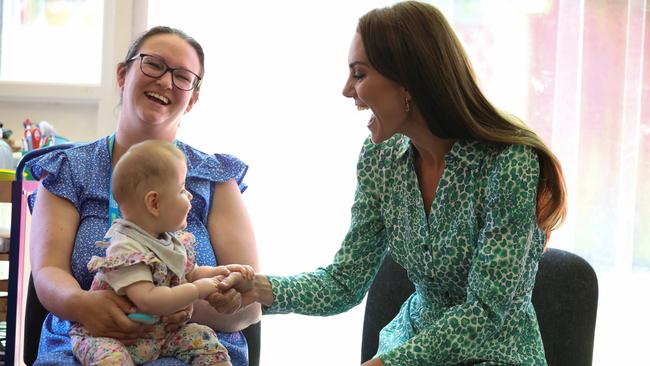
35, 313
253, 337
31, 319
565, 297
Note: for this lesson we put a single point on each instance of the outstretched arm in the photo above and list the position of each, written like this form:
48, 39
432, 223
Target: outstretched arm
341, 285
164, 300
209, 271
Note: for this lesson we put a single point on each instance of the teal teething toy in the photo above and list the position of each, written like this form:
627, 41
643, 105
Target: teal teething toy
143, 318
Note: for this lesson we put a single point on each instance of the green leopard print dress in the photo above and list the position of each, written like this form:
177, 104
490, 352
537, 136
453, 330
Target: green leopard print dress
473, 262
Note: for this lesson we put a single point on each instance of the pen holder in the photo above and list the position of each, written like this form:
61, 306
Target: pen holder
27, 173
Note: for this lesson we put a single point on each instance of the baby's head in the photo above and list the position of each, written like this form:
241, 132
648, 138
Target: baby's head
149, 186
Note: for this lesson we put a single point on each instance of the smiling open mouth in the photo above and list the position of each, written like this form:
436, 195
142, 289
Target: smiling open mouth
371, 120
157, 98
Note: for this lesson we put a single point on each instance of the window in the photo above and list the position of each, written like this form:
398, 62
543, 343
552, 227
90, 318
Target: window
52, 41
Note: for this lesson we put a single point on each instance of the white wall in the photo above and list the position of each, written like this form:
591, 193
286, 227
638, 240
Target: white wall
77, 122
78, 112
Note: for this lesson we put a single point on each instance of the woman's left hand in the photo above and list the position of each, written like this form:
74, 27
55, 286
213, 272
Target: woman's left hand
178, 319
374, 362
226, 302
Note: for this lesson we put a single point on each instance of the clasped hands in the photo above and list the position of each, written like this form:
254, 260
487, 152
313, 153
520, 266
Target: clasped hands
237, 290
234, 290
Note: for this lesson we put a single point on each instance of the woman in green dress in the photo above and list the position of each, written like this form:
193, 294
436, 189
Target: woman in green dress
462, 196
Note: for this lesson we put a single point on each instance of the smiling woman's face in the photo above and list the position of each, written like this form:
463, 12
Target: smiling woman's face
155, 101
371, 90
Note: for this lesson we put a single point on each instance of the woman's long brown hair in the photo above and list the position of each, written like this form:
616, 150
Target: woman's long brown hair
412, 44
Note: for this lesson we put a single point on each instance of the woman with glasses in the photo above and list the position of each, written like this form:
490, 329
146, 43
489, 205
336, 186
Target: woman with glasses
159, 82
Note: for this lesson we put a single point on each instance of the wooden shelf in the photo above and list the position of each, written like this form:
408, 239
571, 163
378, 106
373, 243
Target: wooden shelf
3, 308
5, 190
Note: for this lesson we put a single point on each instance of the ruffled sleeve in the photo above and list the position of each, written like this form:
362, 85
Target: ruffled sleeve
115, 262
216, 168
232, 167
56, 168
126, 263
203, 172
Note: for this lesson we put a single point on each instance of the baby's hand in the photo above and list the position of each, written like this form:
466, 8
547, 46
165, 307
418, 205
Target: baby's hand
207, 286
247, 271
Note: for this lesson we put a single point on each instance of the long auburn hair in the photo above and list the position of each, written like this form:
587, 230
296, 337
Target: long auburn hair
412, 44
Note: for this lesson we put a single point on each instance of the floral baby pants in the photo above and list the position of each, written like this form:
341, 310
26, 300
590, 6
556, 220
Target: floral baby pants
194, 343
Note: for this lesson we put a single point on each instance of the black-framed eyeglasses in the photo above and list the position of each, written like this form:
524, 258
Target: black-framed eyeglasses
155, 67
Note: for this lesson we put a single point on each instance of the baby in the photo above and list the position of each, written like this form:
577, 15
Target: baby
152, 266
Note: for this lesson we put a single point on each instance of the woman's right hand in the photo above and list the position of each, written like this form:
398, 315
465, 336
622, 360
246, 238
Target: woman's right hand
247, 291
235, 293
104, 314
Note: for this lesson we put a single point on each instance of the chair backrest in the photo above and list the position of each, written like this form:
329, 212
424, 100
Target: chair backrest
390, 288
35, 313
253, 337
565, 298
16, 257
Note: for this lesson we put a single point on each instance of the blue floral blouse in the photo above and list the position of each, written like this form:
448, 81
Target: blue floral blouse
81, 175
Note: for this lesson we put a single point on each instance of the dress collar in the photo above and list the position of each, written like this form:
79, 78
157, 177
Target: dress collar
464, 152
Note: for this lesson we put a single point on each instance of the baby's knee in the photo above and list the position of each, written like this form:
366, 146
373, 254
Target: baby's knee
102, 352
197, 331
115, 358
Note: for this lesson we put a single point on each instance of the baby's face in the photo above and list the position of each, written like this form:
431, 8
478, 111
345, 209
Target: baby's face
175, 202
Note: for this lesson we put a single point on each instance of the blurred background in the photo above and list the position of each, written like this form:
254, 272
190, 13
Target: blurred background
577, 71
